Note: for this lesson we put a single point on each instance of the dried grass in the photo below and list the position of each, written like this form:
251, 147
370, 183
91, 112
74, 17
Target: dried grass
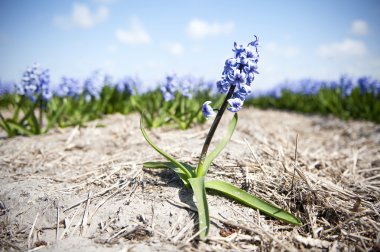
85, 186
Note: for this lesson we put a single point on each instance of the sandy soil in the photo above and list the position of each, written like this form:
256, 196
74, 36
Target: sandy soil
84, 189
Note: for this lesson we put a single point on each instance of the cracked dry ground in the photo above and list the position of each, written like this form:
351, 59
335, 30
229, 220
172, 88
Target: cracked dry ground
84, 189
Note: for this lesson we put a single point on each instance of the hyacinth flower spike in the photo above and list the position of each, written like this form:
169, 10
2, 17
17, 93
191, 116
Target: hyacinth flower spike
236, 80
176, 102
34, 94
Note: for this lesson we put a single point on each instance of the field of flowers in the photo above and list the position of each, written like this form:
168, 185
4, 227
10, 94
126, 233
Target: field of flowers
34, 105
37, 105
346, 98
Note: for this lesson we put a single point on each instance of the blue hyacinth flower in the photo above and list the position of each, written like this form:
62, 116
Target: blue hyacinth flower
36, 82
7, 87
169, 87
235, 104
207, 110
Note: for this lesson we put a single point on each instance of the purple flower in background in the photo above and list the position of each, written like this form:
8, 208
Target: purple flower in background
45, 82
305, 87
108, 80
68, 87
19, 88
368, 85
126, 85
93, 85
169, 88
207, 110
365, 84
208, 86
31, 81
313, 87
346, 84
376, 87
36, 82
7, 87
186, 87
277, 92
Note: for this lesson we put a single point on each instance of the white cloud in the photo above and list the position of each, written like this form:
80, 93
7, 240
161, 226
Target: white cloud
198, 29
81, 16
136, 34
174, 48
347, 47
359, 27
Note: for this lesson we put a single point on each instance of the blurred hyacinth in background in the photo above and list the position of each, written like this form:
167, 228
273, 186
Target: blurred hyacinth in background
309, 87
68, 87
346, 98
127, 85
186, 86
7, 87
176, 101
93, 85
169, 87
36, 82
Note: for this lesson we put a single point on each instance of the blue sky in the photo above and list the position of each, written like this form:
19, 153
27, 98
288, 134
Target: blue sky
299, 39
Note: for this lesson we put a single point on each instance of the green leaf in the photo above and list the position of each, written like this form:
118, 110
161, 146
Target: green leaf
137, 107
192, 117
34, 123
252, 201
170, 165
4, 125
19, 103
55, 117
210, 157
164, 154
198, 186
29, 111
177, 120
19, 129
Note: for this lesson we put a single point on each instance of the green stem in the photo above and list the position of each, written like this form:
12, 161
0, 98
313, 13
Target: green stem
212, 130
41, 112
19, 103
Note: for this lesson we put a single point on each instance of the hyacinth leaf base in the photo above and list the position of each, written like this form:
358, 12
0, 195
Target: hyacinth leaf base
183, 169
203, 166
190, 178
198, 186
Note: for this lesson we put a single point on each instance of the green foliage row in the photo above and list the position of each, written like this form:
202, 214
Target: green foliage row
357, 105
36, 117
29, 118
